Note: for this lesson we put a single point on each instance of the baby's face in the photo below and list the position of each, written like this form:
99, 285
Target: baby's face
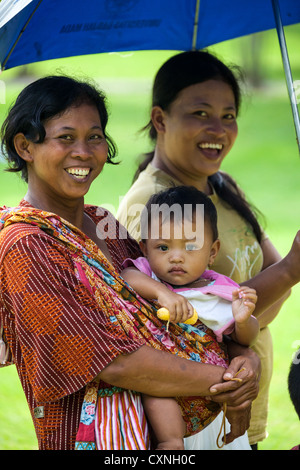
177, 256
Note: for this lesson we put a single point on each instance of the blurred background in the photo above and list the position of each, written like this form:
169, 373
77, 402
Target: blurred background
265, 161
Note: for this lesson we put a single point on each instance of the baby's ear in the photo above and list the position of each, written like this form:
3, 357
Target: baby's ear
214, 251
143, 247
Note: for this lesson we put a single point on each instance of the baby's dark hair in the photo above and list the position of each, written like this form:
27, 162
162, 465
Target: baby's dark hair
294, 382
181, 197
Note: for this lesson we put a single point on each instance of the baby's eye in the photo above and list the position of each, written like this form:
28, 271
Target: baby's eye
163, 247
192, 246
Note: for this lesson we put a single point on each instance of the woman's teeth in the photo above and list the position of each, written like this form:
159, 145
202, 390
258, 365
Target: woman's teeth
211, 146
78, 172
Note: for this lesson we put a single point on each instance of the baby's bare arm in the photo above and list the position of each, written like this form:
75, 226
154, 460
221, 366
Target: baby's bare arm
179, 307
144, 285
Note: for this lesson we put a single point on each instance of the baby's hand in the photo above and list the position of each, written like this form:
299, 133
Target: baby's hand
178, 306
243, 303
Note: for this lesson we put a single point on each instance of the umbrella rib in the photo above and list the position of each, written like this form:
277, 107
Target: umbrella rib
287, 68
19, 36
196, 24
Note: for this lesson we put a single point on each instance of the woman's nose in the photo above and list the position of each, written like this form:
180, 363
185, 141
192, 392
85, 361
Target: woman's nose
215, 127
81, 149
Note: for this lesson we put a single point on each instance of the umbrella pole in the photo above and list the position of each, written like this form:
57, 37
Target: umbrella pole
287, 69
19, 36
196, 24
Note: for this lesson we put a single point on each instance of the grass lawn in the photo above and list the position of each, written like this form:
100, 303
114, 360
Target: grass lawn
265, 161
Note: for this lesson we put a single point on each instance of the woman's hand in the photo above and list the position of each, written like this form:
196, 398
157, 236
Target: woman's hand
239, 394
239, 389
239, 422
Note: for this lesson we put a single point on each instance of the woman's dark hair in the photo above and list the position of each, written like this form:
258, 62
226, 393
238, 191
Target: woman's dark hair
42, 100
179, 72
294, 382
179, 197
186, 69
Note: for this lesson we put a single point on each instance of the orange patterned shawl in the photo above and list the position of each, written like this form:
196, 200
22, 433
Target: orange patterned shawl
127, 311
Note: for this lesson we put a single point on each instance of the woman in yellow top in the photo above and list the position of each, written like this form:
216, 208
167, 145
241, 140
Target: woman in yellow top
195, 104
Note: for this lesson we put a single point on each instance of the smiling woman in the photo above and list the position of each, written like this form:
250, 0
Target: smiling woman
45, 99
71, 157
201, 123
193, 126
60, 145
81, 339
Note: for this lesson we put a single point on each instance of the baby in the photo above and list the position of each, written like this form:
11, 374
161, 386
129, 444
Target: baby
179, 242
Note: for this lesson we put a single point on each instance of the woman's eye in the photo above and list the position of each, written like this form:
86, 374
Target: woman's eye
65, 137
229, 117
201, 113
96, 137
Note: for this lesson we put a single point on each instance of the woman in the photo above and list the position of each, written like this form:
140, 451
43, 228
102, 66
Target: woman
70, 322
195, 104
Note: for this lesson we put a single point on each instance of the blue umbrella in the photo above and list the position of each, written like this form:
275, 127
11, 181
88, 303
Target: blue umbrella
37, 30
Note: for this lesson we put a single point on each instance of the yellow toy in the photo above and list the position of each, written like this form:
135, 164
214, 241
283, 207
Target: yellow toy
163, 314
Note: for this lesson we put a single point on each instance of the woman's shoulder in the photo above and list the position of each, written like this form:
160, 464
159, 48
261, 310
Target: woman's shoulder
97, 212
221, 179
105, 220
14, 233
150, 181
23, 241
120, 243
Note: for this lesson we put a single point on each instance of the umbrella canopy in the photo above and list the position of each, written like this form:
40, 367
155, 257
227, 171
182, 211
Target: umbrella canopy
36, 30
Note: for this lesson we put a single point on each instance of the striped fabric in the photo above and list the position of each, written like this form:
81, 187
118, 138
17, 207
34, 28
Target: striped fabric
120, 423
40, 295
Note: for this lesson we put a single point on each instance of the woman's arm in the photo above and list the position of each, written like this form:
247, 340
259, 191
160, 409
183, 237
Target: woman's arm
50, 291
274, 282
271, 256
246, 364
161, 374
